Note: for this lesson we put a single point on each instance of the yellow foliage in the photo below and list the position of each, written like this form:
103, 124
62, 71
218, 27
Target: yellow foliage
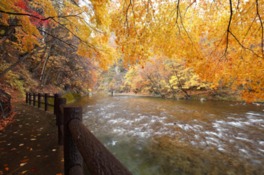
196, 32
224, 50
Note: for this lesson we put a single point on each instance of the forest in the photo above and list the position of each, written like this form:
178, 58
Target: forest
172, 49
202, 59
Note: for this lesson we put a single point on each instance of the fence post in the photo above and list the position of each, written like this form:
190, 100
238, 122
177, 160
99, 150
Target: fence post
39, 100
59, 118
29, 98
56, 96
26, 97
73, 161
34, 99
46, 101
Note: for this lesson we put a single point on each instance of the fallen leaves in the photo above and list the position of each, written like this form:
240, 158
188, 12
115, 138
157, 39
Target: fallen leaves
24, 172
6, 168
23, 162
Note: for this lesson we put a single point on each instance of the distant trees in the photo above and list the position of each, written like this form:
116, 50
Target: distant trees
164, 77
160, 76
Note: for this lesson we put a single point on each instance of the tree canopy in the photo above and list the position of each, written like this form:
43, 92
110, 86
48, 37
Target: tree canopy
222, 42
53, 40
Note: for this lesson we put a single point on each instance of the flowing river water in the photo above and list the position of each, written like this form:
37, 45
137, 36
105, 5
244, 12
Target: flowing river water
153, 136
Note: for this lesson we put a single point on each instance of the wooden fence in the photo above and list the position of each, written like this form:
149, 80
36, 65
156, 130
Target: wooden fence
79, 143
37, 99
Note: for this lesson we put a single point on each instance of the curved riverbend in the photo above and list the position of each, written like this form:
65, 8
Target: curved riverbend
167, 137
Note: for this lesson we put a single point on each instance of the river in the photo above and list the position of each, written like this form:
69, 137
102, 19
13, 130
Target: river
153, 136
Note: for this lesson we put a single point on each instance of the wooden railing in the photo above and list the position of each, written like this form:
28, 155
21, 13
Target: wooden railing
37, 99
79, 143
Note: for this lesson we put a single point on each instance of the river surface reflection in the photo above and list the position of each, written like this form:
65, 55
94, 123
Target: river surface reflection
154, 136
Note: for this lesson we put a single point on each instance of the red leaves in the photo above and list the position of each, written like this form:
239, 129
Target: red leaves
35, 17
39, 20
22, 4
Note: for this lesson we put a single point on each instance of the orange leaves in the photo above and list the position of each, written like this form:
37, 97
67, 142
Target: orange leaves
4, 19
27, 34
28, 37
83, 51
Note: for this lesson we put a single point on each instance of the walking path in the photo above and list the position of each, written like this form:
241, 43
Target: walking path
29, 145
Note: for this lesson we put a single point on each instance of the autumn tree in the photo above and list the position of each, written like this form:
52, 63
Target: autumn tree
221, 40
54, 38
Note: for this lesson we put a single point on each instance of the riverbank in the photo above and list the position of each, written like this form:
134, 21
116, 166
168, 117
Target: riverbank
29, 144
204, 96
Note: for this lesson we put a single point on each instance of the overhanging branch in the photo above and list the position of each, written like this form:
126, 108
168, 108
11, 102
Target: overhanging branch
36, 17
229, 25
243, 45
262, 28
59, 39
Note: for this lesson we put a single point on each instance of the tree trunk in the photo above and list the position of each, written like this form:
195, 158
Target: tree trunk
44, 65
45, 79
39, 64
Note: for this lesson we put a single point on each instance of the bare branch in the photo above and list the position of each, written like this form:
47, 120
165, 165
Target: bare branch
53, 18
229, 32
181, 22
75, 3
63, 26
128, 7
238, 3
250, 27
243, 45
37, 17
262, 28
229, 25
59, 39
177, 15
194, 1
178, 11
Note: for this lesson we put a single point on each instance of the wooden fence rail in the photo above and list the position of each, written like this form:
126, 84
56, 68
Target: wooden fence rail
79, 143
37, 98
